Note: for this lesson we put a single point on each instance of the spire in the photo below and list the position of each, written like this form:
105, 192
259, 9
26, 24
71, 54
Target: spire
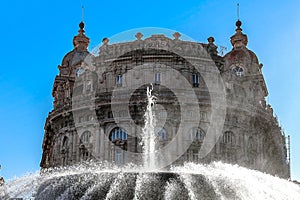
238, 39
82, 13
238, 11
81, 41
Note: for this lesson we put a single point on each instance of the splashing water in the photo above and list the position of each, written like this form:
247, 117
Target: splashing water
149, 136
190, 181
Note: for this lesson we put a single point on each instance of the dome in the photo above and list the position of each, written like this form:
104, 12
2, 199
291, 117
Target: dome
242, 56
74, 57
80, 52
254, 58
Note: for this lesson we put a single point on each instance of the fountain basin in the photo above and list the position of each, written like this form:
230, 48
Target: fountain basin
126, 185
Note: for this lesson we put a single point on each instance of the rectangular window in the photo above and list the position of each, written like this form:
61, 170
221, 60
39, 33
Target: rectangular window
202, 115
109, 115
195, 155
118, 156
90, 118
157, 78
188, 156
88, 86
81, 119
195, 80
119, 80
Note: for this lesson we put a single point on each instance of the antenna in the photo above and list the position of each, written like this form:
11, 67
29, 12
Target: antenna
222, 50
238, 11
82, 13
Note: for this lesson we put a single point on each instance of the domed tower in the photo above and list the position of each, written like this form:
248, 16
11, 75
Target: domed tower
244, 71
259, 142
60, 118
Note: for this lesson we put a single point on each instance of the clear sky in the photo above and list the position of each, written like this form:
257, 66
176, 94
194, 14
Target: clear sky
35, 35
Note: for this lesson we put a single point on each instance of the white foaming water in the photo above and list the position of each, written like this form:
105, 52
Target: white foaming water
235, 182
227, 181
20, 187
149, 135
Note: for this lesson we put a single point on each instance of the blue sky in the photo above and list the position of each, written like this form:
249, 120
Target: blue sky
35, 35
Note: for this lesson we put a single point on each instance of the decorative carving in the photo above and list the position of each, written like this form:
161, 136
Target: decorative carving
105, 41
177, 35
239, 39
211, 47
139, 36
80, 41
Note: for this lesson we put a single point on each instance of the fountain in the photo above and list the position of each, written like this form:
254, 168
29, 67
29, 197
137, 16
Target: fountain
191, 181
149, 136
93, 180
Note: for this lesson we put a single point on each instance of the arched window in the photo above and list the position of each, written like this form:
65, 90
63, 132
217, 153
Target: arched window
238, 71
119, 80
65, 144
64, 150
118, 134
163, 135
197, 134
228, 138
119, 137
85, 137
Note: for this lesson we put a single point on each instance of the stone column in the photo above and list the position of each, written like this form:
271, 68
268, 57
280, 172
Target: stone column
70, 153
217, 146
75, 147
59, 159
97, 142
102, 144
107, 149
178, 143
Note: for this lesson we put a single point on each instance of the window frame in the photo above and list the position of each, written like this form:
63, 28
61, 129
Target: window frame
157, 78
195, 79
118, 133
119, 80
238, 71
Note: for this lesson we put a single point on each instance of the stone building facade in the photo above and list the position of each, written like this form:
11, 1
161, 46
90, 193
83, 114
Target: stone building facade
96, 117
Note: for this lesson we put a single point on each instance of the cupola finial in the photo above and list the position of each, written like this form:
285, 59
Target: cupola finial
81, 24
80, 41
238, 39
238, 22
